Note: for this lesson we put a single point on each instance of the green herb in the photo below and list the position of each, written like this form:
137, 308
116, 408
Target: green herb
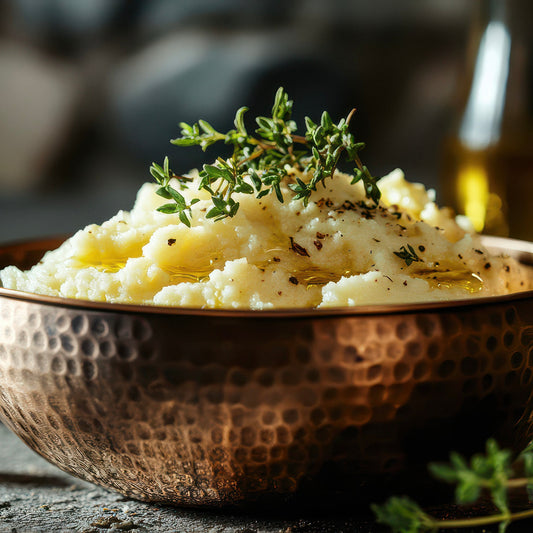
178, 205
408, 255
492, 472
260, 162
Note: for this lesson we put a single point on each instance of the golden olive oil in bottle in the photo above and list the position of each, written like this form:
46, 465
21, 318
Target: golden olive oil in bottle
487, 171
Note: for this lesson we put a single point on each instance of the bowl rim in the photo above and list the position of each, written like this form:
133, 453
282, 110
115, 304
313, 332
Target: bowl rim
514, 246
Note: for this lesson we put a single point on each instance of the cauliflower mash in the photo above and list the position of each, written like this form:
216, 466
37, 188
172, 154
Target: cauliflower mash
335, 251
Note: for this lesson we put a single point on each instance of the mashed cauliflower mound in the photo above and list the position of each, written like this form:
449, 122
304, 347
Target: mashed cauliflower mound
334, 252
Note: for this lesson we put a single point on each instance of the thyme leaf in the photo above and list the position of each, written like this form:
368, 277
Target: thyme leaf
408, 255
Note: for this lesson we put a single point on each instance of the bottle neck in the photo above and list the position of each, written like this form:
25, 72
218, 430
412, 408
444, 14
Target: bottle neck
516, 15
499, 91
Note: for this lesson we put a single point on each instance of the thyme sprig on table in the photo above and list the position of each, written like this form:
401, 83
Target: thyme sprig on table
491, 472
260, 162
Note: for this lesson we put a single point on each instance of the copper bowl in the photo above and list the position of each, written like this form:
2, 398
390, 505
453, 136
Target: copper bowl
216, 408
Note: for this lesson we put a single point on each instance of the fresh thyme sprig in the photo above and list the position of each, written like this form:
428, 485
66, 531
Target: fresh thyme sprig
491, 472
163, 175
408, 255
260, 163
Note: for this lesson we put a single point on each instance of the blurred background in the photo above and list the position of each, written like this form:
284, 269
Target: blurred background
91, 93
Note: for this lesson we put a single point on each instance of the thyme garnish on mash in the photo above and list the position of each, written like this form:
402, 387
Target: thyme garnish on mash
259, 163
408, 255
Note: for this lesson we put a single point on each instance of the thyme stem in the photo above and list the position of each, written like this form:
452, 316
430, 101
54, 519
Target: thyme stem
482, 520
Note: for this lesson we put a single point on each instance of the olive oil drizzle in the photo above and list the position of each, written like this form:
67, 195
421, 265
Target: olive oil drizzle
450, 278
310, 277
107, 265
316, 277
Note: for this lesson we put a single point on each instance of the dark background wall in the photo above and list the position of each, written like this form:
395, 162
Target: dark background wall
91, 92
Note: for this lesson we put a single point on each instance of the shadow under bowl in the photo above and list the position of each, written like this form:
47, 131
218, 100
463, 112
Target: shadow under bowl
222, 408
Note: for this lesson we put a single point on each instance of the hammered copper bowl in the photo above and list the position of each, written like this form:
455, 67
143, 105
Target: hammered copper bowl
215, 408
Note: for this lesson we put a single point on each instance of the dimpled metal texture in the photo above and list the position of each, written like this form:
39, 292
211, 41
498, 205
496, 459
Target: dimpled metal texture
216, 409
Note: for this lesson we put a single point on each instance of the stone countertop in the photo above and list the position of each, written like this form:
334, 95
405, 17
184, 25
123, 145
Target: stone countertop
35, 496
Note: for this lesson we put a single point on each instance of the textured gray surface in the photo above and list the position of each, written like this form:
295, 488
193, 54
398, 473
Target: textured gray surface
37, 497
